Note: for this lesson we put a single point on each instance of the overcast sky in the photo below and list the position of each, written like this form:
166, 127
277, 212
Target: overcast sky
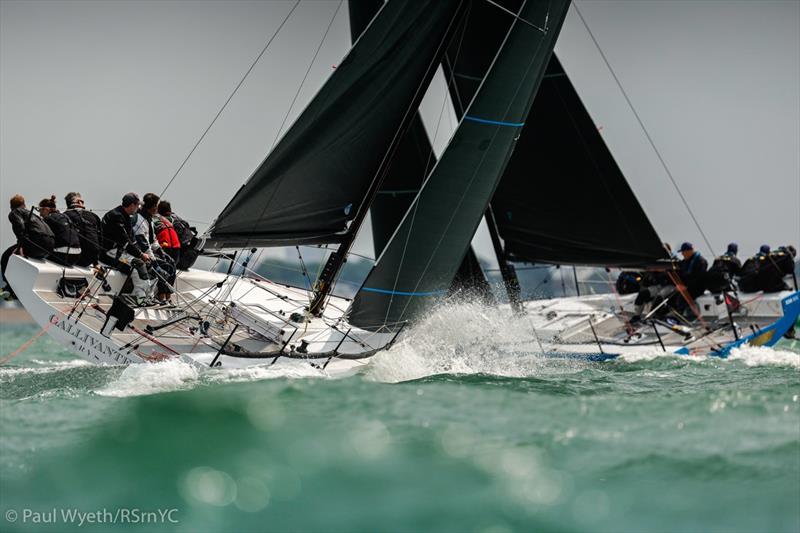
106, 97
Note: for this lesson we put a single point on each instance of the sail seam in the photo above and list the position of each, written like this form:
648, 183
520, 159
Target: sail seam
404, 293
517, 17
494, 122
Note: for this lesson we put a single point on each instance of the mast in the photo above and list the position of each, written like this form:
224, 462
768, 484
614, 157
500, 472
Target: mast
507, 270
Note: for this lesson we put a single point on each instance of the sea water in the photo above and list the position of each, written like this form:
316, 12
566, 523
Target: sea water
463, 426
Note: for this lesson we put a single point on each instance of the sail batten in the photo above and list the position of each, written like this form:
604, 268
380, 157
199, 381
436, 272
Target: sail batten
313, 183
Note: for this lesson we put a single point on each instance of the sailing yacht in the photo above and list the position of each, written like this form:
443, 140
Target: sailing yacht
563, 200
359, 147
316, 187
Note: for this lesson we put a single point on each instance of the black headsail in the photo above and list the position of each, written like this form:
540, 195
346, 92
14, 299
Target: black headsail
422, 257
315, 180
413, 158
563, 199
466, 64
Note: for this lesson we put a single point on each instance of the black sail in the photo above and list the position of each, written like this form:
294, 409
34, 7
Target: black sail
423, 255
312, 183
413, 157
468, 59
563, 199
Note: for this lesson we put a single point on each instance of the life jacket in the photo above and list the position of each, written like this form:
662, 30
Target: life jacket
39, 240
165, 233
184, 231
773, 269
783, 261
89, 230
748, 275
719, 276
66, 234
726, 263
628, 282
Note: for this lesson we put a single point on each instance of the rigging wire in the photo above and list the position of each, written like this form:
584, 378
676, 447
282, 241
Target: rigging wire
644, 129
305, 76
288, 112
238, 85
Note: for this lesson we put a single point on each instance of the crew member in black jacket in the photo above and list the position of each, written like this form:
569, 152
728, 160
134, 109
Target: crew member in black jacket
34, 237
89, 227
67, 250
121, 250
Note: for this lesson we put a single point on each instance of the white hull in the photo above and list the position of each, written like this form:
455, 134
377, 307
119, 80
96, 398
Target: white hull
269, 321
271, 330
597, 325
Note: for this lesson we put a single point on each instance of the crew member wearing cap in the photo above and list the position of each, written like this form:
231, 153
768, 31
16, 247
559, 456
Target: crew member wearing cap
121, 250
692, 270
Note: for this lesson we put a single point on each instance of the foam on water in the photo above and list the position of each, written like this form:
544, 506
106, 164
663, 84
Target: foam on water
761, 356
174, 374
142, 379
44, 367
467, 338
470, 338
262, 372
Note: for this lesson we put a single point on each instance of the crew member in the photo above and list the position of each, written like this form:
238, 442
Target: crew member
655, 286
145, 236
166, 235
725, 267
122, 252
67, 250
777, 265
89, 228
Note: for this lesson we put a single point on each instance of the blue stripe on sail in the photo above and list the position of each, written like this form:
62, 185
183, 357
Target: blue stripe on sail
403, 293
495, 122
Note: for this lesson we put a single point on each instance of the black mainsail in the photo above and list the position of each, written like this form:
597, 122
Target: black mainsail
423, 255
563, 199
316, 179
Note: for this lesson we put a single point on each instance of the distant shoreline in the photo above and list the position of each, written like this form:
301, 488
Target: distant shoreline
14, 314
